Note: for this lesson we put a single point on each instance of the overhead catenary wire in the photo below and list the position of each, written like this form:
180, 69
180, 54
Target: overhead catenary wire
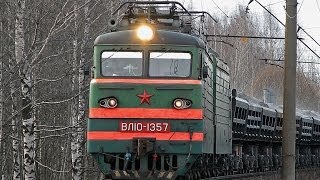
238, 36
283, 25
281, 60
198, 12
220, 8
299, 27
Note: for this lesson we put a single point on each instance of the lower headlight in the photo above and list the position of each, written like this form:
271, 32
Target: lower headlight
181, 103
109, 102
112, 102
178, 103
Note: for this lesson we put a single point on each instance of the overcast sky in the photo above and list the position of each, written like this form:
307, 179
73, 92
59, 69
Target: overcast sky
308, 13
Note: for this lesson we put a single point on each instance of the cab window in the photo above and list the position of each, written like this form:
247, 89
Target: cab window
169, 64
120, 63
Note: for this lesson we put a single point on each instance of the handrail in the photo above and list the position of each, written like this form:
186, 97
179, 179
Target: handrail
151, 2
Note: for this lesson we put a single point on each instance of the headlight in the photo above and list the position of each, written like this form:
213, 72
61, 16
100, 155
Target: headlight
110, 102
178, 103
145, 33
181, 103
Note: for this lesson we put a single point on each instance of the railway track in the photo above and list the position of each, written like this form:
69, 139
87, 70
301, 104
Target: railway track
243, 176
301, 174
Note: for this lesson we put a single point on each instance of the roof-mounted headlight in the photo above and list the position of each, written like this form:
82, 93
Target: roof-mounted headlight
145, 33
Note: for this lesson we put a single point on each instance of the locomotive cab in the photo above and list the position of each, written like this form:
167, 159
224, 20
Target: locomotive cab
153, 101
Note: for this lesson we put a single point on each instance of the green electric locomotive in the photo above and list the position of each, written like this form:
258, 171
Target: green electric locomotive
159, 97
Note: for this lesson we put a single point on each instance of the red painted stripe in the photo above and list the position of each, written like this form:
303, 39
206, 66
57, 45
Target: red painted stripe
141, 113
147, 81
172, 136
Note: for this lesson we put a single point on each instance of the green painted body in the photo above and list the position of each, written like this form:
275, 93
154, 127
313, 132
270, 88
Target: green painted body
163, 95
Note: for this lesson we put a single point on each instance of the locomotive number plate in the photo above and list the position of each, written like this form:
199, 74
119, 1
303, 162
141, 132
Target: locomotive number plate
144, 127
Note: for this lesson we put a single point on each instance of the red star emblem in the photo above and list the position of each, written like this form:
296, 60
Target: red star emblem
145, 97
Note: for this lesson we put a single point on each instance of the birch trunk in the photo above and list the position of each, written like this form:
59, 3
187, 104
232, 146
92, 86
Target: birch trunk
26, 92
15, 125
2, 155
19, 48
1, 94
81, 81
1, 86
28, 124
76, 157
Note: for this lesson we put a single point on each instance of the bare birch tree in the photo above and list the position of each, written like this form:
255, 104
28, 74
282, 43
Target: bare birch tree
38, 41
26, 92
81, 82
78, 109
76, 155
1, 88
15, 124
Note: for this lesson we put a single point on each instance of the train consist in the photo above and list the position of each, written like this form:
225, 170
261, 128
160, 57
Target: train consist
161, 105
257, 137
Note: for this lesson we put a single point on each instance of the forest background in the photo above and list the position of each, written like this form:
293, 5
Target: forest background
45, 48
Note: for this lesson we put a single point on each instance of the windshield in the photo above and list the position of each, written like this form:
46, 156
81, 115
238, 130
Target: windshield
170, 64
121, 63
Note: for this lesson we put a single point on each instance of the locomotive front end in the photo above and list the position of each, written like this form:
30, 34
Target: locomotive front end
145, 115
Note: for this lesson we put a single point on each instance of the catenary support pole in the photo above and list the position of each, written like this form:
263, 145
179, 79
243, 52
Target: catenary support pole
289, 109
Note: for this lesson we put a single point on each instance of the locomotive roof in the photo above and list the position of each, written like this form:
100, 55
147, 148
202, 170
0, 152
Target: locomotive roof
161, 37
